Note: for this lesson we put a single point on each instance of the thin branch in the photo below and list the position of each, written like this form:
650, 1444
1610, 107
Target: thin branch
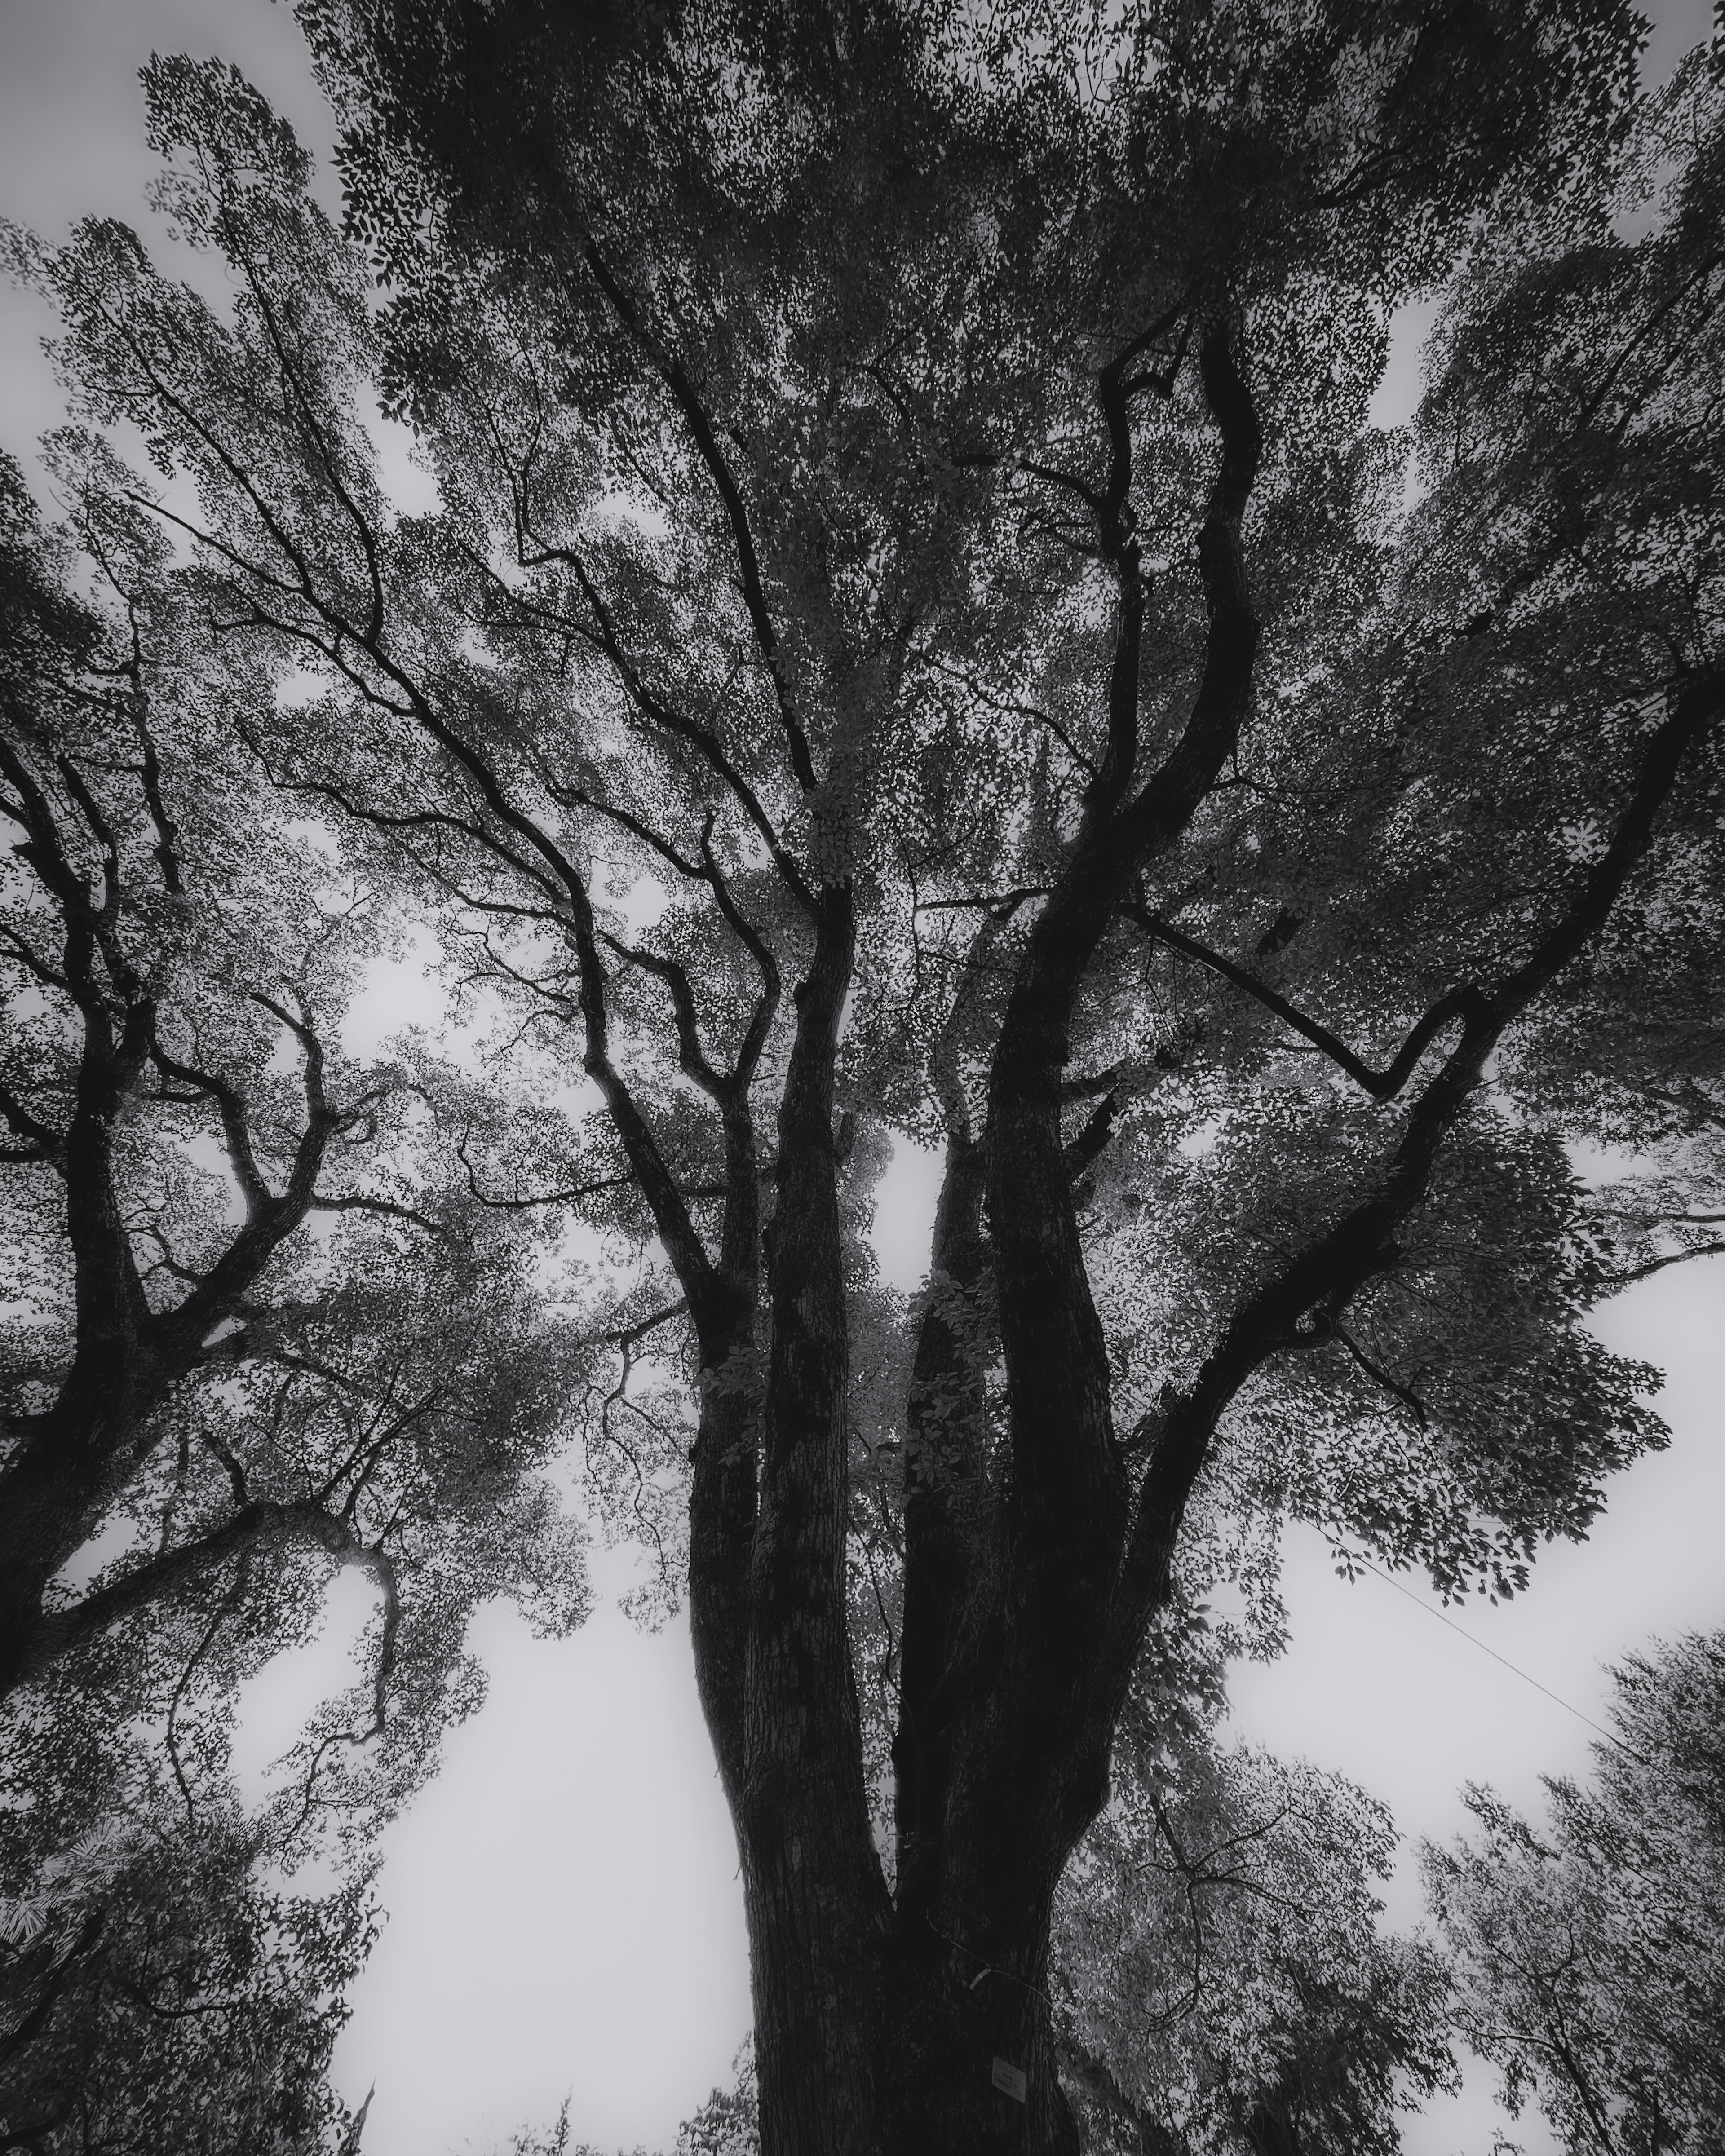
1458, 1004
224, 1609
1409, 1398
1659, 1265
381, 1567
692, 1060
674, 721
571, 1196
384, 1208
669, 369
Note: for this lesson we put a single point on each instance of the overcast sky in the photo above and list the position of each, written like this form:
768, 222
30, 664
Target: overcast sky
564, 1913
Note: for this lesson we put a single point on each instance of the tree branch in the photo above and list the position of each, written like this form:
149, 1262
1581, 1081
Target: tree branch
669, 369
1382, 1085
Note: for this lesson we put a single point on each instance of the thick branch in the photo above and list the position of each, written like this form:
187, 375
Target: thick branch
1334, 1265
58, 1632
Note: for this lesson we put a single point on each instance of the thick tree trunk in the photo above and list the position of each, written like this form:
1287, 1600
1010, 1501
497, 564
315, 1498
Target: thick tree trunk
967, 2058
909, 2045
923, 2025
949, 1519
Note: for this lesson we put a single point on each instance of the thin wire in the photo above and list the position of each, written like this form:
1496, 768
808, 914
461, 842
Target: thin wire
1354, 1557
988, 1968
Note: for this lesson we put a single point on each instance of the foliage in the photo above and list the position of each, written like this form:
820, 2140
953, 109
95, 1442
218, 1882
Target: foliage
905, 528
1588, 1953
1221, 1979
159, 1994
263, 1327
380, 1386
725, 2125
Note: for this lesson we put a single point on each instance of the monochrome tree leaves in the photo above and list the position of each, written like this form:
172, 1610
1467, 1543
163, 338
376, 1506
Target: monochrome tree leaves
1587, 1955
911, 632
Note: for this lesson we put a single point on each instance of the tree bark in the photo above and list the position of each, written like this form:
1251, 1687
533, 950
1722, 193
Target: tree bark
949, 1517
815, 1898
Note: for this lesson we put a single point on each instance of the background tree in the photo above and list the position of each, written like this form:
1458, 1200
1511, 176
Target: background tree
158, 1995
1587, 1956
894, 477
161, 956
264, 1327
1220, 1980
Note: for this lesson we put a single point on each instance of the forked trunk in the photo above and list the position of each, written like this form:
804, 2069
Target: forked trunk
919, 2020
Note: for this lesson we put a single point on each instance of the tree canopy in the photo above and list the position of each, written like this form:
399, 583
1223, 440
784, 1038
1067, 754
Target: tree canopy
907, 531
1588, 1953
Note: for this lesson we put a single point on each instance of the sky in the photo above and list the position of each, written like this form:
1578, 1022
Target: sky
564, 1911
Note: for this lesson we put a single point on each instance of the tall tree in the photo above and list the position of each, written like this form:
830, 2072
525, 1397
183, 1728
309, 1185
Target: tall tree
1588, 1953
906, 525
263, 1328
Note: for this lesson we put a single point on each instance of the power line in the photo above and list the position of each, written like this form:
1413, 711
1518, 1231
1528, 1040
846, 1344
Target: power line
1354, 1557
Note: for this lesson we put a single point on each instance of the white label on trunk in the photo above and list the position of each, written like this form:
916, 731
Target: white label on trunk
1010, 2079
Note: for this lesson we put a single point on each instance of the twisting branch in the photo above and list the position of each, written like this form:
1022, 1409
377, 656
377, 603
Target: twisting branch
168, 832
384, 1208
1360, 1243
571, 1196
236, 1130
692, 1059
673, 721
41, 1142
575, 797
1613, 1280
629, 1338
1459, 1003
1408, 1398
1011, 706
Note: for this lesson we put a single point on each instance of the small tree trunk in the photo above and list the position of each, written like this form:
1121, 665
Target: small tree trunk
54, 1487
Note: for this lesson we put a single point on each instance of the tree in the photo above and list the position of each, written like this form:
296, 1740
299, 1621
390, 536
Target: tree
170, 939
1587, 1956
906, 526
157, 1996
1220, 1983
265, 1324
191, 1972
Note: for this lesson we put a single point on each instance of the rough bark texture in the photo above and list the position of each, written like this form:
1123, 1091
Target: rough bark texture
816, 1901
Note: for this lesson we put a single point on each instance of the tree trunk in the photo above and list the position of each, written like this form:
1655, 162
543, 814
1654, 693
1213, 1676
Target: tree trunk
913, 2046
921, 2021
816, 1901
69, 1460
